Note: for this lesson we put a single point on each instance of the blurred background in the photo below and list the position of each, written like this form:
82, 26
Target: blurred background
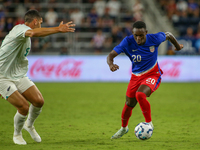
102, 24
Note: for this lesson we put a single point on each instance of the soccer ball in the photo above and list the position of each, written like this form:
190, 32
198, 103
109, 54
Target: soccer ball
143, 131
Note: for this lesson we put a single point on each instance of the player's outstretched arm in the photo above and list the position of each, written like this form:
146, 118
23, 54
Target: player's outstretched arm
40, 32
170, 37
110, 60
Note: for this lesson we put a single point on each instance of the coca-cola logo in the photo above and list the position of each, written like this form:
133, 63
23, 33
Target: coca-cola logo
66, 68
171, 68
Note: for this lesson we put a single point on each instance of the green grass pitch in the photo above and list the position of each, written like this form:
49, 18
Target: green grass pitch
83, 116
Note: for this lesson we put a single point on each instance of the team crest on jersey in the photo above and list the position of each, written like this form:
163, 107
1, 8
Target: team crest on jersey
152, 49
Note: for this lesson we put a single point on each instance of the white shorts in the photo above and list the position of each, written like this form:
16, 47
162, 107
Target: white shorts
9, 86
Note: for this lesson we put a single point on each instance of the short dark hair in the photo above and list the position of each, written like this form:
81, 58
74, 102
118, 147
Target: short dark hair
139, 25
31, 14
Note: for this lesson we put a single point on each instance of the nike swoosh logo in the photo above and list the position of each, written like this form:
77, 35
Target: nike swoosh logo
8, 88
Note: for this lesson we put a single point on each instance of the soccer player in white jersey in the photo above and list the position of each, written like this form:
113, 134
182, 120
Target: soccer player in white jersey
16, 87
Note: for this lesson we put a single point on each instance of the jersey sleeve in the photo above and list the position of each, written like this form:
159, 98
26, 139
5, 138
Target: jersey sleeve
21, 30
121, 47
158, 38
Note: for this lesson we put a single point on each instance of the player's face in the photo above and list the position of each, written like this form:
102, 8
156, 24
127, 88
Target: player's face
140, 35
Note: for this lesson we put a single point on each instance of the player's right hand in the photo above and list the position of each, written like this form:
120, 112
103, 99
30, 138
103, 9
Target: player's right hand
181, 46
67, 27
114, 67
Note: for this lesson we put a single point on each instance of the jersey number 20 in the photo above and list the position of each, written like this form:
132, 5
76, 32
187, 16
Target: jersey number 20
136, 58
150, 81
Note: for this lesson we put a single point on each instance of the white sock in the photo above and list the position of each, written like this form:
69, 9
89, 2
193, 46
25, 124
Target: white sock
19, 121
33, 114
124, 127
151, 124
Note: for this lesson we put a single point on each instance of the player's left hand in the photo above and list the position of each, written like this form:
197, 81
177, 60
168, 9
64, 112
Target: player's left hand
67, 27
181, 46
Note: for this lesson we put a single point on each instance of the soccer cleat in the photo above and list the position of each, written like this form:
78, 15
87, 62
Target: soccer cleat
120, 133
151, 124
35, 136
18, 139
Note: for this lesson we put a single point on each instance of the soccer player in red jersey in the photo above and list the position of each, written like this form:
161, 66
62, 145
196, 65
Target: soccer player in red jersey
142, 50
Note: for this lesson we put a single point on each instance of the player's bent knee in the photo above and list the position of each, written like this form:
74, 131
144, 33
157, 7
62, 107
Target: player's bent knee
23, 109
39, 101
131, 101
131, 104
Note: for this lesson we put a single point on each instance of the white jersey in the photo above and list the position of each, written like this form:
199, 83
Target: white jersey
13, 51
